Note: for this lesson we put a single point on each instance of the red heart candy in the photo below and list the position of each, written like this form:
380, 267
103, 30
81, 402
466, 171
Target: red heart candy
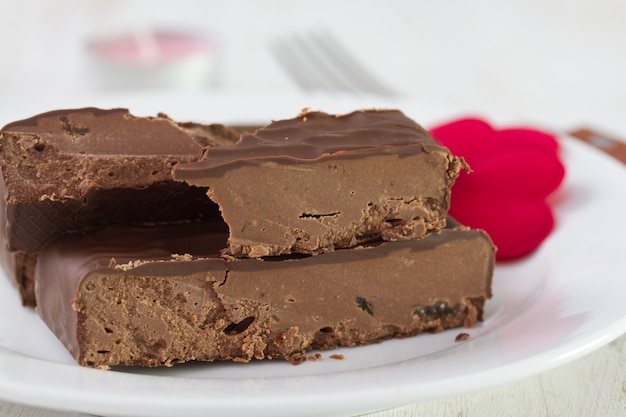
513, 171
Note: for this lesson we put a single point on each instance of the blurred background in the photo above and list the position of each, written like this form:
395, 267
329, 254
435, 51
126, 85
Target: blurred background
561, 62
558, 62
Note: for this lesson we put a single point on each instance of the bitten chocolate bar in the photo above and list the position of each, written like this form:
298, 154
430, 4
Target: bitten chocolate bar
68, 170
319, 182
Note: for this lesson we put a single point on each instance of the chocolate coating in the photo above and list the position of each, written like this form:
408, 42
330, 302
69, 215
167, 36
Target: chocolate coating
118, 296
319, 182
68, 170
93, 131
314, 135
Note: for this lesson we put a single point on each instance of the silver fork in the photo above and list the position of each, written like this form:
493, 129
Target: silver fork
317, 61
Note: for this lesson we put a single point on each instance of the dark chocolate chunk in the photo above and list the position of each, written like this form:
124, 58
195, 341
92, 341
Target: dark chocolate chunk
365, 305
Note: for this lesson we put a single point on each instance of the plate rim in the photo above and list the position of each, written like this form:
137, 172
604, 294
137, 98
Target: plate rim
20, 392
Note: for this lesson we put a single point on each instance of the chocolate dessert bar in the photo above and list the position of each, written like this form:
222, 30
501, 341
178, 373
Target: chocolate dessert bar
67, 170
320, 182
156, 296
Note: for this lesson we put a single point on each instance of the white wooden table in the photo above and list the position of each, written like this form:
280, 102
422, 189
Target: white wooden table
559, 62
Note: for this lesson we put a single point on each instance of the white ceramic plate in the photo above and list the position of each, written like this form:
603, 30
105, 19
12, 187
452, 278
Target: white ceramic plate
557, 305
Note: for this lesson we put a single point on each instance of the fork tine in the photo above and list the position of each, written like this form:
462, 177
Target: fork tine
345, 62
291, 60
308, 65
318, 61
323, 65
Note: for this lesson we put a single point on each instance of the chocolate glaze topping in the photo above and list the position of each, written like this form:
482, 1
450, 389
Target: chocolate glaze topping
313, 135
95, 131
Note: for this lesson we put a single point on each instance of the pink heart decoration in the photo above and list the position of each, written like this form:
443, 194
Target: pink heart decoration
513, 171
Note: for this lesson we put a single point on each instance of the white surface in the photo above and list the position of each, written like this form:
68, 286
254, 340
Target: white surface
559, 62
563, 302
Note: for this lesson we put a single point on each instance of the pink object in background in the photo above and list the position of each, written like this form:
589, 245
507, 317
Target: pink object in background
154, 59
513, 171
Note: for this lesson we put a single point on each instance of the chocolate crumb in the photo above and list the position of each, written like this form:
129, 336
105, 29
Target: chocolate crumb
337, 356
461, 337
315, 357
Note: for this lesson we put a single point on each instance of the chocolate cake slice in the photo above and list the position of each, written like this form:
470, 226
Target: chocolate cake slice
68, 170
156, 296
320, 182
